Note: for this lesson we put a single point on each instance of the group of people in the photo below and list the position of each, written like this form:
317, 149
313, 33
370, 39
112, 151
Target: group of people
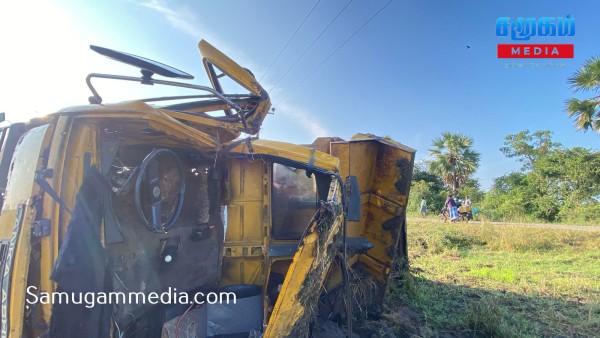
452, 204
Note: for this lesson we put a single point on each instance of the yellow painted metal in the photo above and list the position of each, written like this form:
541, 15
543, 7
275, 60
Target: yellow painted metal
310, 258
229, 67
18, 282
21, 189
242, 270
225, 131
49, 245
243, 77
7, 218
245, 233
384, 186
66, 157
288, 310
82, 140
290, 151
142, 112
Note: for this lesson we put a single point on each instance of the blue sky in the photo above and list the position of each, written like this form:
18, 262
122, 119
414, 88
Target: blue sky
407, 74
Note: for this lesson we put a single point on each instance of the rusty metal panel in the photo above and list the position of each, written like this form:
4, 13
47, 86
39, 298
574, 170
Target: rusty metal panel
384, 171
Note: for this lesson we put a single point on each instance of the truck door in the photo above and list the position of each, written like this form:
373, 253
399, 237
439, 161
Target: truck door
21, 200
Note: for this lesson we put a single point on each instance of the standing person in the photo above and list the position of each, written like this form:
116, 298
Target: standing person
423, 206
468, 202
452, 209
468, 205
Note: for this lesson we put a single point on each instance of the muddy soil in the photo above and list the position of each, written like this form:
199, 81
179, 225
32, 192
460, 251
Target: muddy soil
406, 322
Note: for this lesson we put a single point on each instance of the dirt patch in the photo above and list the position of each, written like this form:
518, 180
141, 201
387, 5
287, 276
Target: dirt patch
409, 322
329, 329
402, 321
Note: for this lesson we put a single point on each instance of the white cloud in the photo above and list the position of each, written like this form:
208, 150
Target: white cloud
304, 118
182, 20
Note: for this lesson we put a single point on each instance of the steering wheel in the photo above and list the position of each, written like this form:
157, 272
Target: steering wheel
149, 174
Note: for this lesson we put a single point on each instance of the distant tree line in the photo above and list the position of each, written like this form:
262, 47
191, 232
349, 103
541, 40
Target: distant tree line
555, 183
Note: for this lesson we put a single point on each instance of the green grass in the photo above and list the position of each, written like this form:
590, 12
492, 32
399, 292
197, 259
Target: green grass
476, 280
432, 216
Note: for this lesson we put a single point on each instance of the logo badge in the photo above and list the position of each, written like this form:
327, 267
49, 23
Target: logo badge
523, 29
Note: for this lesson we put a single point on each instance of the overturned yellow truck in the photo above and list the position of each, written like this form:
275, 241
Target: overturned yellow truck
134, 219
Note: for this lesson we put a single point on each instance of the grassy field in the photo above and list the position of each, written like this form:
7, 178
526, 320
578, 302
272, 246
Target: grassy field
474, 280
433, 216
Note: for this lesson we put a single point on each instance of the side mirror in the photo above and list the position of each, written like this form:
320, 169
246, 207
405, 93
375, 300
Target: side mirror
353, 198
2, 117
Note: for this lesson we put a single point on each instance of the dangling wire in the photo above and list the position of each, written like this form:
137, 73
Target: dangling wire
288, 42
310, 46
332, 53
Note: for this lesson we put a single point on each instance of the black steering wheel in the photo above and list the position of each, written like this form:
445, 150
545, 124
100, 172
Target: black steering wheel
149, 174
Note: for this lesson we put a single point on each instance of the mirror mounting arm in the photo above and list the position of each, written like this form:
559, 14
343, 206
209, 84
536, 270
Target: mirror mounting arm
145, 79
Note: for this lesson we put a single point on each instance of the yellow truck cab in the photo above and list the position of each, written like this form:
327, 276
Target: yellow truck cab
175, 197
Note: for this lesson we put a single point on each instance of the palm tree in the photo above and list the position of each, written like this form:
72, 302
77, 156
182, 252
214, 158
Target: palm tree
454, 160
585, 112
